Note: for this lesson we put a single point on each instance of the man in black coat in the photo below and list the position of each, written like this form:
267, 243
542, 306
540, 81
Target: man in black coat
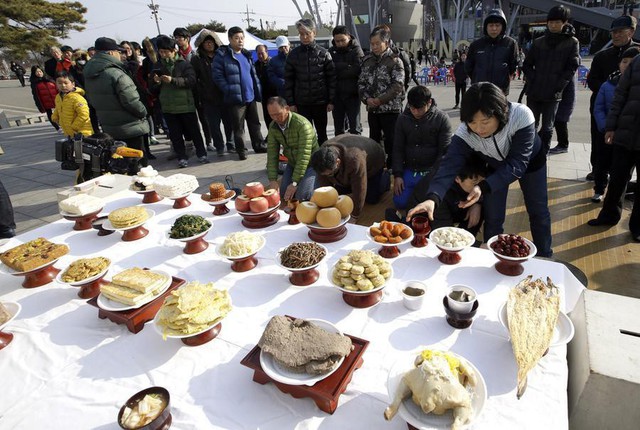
623, 136
460, 77
19, 72
604, 63
347, 56
493, 58
549, 66
51, 64
268, 89
310, 79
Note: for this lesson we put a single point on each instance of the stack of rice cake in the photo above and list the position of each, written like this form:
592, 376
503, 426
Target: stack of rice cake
133, 286
176, 185
81, 204
217, 191
127, 217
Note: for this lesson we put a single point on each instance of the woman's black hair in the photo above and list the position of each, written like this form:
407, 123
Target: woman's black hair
65, 74
324, 159
418, 96
487, 98
134, 55
33, 72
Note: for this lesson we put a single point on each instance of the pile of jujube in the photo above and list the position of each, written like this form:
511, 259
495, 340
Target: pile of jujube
511, 245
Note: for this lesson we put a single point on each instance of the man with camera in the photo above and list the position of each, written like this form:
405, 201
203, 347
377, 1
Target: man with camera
112, 92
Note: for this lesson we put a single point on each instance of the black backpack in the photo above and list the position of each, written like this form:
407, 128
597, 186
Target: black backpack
406, 62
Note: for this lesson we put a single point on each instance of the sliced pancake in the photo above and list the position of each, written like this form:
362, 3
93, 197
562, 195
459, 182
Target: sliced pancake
139, 279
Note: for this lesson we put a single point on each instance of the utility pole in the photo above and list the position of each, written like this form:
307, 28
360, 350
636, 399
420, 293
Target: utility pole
248, 18
154, 11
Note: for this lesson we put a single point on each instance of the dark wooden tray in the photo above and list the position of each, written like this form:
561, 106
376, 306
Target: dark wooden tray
324, 393
135, 319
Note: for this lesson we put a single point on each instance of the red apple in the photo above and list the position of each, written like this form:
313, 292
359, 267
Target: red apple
242, 203
258, 204
273, 197
253, 189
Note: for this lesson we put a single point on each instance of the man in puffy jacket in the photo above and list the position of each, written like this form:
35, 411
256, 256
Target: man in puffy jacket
381, 89
347, 55
622, 135
603, 65
275, 69
292, 134
310, 79
235, 75
549, 66
112, 92
494, 57
210, 97
268, 90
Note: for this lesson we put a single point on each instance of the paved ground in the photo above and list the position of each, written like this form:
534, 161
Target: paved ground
32, 176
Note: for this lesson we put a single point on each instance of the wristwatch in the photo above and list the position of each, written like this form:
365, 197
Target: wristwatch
294, 183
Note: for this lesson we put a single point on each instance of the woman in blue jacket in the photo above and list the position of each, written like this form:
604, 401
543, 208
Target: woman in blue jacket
504, 135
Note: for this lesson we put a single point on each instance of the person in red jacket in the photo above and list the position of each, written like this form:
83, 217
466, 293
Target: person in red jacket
44, 92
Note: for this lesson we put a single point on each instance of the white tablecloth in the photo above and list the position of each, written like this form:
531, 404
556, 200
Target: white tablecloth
66, 368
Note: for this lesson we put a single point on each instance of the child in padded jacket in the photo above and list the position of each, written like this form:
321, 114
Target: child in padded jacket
607, 90
71, 111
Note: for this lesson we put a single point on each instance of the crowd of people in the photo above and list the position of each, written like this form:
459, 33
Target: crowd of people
454, 176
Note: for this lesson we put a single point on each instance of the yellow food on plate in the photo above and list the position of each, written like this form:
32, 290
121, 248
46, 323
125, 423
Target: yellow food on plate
192, 308
33, 254
361, 271
85, 268
134, 286
127, 217
241, 243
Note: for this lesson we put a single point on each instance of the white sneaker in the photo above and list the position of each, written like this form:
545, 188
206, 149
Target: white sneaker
597, 198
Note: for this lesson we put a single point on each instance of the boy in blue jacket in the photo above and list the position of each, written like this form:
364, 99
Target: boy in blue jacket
603, 103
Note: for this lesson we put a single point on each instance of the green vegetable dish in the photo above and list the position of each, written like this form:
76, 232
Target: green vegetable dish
188, 226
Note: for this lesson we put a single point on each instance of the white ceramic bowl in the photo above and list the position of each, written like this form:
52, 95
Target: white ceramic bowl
461, 307
411, 302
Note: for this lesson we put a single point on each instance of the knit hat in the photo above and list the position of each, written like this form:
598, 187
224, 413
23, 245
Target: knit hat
624, 21
165, 42
66, 48
558, 13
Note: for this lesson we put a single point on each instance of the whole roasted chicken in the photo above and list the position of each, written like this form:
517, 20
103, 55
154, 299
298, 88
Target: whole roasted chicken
438, 383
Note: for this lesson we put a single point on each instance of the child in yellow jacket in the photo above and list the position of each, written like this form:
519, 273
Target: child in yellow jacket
71, 111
